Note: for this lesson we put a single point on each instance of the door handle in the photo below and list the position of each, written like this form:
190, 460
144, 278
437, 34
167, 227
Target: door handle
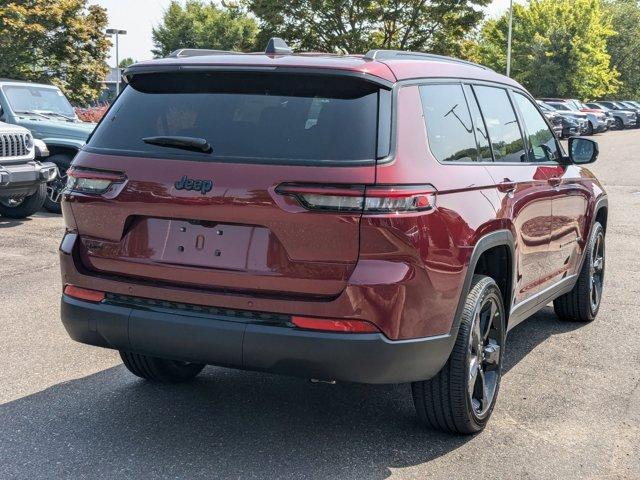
554, 181
506, 185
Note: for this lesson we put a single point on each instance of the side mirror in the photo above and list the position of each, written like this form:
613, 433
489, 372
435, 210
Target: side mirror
582, 150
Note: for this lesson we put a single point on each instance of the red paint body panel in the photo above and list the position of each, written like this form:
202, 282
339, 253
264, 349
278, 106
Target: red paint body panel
269, 243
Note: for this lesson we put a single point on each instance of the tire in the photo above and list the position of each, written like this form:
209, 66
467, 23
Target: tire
447, 402
27, 207
55, 187
582, 303
590, 129
619, 123
159, 370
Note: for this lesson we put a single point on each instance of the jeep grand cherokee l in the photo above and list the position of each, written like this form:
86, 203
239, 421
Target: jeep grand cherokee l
379, 218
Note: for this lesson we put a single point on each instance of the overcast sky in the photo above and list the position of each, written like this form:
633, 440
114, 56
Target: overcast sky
139, 16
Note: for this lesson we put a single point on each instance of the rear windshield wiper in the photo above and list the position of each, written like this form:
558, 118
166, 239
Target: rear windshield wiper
185, 143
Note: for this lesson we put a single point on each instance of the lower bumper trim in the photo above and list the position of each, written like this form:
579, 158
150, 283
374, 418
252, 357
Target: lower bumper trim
262, 346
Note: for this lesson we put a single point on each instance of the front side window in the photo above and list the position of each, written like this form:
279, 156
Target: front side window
244, 117
449, 126
502, 124
542, 142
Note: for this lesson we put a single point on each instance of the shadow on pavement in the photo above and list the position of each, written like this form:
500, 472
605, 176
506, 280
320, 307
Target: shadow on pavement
227, 424
6, 222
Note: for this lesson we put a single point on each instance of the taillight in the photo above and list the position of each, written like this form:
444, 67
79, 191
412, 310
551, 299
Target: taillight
399, 199
382, 199
84, 293
96, 182
334, 325
347, 198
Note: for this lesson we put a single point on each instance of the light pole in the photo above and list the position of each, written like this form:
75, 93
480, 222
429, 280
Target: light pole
117, 32
509, 38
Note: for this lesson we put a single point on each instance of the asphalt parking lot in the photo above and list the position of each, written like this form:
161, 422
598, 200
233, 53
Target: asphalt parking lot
569, 404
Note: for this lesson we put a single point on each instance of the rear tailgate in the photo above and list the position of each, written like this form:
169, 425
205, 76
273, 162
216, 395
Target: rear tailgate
214, 220
240, 236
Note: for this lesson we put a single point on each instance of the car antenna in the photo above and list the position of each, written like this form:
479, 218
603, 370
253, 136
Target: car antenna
278, 46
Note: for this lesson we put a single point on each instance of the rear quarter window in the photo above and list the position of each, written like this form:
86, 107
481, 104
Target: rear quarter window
449, 126
245, 117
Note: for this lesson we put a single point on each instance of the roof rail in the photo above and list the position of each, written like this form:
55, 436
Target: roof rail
199, 52
390, 54
277, 46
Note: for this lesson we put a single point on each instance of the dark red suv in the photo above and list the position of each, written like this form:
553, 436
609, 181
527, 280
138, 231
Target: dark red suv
380, 218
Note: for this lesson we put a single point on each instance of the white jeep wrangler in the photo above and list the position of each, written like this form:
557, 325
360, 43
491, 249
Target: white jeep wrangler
23, 177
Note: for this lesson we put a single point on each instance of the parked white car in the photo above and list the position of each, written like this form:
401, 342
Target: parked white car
23, 176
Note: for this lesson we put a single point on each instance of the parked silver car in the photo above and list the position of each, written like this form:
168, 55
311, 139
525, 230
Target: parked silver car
597, 122
622, 118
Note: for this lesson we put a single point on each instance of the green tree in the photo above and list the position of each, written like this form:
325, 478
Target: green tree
125, 62
559, 48
437, 26
58, 42
624, 47
204, 25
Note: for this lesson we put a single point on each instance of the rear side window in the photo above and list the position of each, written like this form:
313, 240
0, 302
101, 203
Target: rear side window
502, 124
542, 141
449, 126
262, 117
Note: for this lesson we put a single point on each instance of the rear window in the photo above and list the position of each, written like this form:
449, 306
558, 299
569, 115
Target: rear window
245, 117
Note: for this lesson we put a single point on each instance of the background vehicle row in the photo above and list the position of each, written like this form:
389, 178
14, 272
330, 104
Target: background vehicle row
48, 115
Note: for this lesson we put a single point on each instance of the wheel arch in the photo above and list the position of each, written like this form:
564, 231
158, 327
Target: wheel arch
493, 255
600, 215
62, 150
61, 146
601, 212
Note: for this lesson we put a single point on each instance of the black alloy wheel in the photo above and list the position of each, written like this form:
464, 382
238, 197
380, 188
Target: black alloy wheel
461, 397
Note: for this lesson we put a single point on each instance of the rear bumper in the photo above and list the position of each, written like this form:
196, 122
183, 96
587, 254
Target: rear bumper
254, 344
24, 178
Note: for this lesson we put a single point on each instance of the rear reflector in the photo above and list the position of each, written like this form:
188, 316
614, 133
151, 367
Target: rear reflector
83, 293
360, 199
334, 325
